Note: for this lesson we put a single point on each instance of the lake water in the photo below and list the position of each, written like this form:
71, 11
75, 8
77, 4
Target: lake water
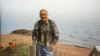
84, 36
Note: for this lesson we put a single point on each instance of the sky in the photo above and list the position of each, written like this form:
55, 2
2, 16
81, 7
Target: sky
68, 14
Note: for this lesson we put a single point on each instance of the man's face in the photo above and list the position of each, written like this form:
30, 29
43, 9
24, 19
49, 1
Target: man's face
44, 16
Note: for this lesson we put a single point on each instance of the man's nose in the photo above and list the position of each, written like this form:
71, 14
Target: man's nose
43, 16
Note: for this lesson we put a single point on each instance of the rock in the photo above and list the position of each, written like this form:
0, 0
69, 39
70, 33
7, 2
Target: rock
22, 32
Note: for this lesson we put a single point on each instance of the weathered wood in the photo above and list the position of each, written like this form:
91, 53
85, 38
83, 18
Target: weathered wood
95, 51
98, 50
32, 50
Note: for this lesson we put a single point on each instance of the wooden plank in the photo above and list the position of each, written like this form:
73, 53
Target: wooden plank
32, 50
98, 48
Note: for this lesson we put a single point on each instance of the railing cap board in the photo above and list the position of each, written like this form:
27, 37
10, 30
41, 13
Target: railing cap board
97, 48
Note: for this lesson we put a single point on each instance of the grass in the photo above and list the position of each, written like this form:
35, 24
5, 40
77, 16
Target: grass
23, 51
20, 50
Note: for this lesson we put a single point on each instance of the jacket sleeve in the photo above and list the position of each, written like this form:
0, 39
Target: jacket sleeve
56, 33
35, 31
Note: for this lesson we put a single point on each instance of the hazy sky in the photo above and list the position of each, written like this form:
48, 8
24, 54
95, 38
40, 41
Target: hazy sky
22, 14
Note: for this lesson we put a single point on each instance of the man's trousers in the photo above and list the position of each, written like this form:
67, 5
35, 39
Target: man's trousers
43, 50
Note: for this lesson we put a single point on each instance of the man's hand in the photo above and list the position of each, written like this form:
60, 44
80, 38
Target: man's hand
52, 44
33, 42
51, 47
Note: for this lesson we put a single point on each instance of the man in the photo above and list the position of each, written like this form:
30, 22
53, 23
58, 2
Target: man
45, 34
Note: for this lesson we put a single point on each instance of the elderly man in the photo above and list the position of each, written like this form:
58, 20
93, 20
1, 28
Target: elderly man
45, 34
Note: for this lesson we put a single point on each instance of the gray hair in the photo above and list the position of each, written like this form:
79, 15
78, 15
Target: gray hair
43, 10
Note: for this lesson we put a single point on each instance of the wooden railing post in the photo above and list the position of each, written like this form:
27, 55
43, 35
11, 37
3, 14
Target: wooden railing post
95, 51
32, 50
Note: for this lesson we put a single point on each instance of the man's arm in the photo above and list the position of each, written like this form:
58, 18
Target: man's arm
56, 33
56, 36
34, 33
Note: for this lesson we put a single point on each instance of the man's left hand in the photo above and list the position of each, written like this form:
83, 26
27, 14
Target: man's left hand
51, 47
